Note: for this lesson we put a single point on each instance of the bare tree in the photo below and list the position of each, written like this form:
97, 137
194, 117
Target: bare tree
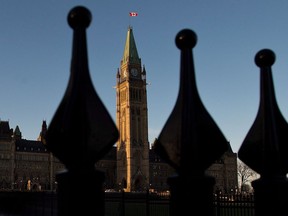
246, 175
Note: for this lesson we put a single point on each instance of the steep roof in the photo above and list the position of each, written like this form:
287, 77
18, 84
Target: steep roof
130, 51
5, 131
23, 145
17, 132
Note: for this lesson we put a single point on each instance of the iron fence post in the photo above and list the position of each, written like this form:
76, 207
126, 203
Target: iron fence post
81, 131
190, 140
265, 148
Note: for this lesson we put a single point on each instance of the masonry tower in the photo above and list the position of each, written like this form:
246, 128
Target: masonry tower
132, 120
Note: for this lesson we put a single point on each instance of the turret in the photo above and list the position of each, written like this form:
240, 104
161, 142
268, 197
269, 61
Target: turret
42, 134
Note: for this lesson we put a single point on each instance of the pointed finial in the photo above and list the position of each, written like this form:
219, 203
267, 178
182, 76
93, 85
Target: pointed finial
118, 73
190, 139
81, 131
264, 148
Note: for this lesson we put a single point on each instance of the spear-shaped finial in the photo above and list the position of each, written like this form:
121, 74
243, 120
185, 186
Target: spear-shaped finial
265, 148
190, 141
81, 131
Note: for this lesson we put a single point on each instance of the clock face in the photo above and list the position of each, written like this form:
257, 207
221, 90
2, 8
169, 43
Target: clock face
134, 71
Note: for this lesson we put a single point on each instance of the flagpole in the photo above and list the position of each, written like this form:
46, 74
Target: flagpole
132, 14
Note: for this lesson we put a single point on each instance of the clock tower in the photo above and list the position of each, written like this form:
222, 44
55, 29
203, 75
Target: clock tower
132, 120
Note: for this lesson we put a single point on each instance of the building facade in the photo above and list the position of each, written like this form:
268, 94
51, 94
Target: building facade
26, 164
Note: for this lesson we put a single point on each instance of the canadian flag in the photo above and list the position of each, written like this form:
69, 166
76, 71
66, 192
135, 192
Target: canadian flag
133, 14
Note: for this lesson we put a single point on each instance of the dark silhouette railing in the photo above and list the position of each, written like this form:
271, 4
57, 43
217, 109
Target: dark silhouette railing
190, 141
265, 147
82, 132
19, 203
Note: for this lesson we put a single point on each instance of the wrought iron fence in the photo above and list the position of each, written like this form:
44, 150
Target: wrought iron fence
190, 140
15, 203
153, 204
18, 203
234, 205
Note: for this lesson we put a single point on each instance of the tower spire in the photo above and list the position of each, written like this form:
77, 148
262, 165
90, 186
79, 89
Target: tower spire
130, 51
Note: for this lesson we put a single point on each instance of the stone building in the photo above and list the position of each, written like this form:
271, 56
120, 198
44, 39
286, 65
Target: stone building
25, 164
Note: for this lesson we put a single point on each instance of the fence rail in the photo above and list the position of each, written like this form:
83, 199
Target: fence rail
234, 205
15, 203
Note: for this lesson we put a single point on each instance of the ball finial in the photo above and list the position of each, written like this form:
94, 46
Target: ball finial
186, 38
265, 58
79, 16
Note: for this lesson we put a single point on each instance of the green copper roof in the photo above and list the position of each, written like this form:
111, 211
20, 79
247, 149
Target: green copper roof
17, 131
130, 51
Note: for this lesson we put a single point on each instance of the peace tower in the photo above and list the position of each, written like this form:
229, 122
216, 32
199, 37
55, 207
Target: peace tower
132, 120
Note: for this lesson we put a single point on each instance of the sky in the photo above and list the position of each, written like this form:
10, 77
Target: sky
36, 44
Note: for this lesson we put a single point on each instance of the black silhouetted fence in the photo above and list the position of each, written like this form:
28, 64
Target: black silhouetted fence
151, 204
234, 205
119, 204
190, 140
18, 203
82, 132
